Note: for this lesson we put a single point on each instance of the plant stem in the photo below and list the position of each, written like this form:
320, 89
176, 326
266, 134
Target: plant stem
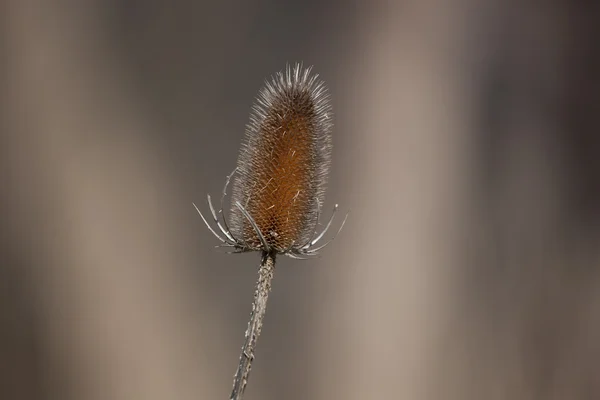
259, 307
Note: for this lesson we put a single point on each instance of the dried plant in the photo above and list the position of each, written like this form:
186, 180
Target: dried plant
278, 188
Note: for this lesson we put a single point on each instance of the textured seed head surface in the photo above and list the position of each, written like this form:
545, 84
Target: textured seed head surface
284, 162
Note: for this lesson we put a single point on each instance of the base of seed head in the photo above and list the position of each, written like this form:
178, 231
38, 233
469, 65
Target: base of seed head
228, 240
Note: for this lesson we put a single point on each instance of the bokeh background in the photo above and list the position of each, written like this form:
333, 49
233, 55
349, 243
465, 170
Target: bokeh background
466, 145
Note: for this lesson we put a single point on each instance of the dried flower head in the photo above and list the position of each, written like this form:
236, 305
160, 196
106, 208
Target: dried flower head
282, 169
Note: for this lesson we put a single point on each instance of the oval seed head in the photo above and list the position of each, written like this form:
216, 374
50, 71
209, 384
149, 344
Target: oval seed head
284, 161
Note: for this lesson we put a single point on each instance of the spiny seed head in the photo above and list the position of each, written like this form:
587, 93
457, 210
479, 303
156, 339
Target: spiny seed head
284, 161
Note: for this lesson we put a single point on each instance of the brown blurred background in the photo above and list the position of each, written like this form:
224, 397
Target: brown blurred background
466, 145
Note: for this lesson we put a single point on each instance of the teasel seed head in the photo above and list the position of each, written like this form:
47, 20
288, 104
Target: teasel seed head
282, 169
284, 161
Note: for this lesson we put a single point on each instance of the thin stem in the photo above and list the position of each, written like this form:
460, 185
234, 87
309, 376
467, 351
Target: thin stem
259, 307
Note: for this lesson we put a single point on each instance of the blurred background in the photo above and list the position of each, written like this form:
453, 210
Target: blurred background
465, 143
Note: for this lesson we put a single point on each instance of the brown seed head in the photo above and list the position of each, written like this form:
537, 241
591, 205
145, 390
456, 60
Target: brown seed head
284, 162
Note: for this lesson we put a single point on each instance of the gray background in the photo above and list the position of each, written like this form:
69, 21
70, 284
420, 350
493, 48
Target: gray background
465, 143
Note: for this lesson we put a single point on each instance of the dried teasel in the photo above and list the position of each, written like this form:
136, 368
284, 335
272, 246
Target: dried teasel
278, 188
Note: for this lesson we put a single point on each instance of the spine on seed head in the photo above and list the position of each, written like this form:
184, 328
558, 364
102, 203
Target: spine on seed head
284, 162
